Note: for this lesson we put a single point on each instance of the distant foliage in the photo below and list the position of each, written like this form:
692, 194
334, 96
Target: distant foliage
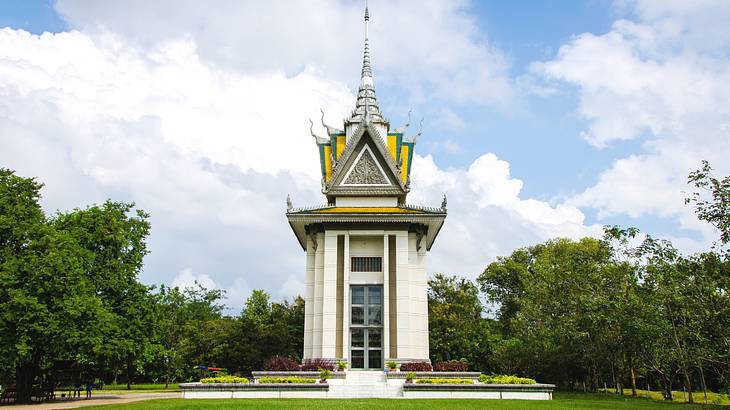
451, 366
444, 381
416, 367
315, 365
224, 379
281, 364
286, 380
505, 379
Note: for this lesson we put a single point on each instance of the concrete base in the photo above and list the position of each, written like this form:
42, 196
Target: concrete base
368, 384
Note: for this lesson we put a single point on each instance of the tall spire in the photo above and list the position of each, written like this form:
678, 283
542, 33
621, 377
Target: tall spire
366, 100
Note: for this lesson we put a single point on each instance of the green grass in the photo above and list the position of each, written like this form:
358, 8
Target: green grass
572, 401
699, 396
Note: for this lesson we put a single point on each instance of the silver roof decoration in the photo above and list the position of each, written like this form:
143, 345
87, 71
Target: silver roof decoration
414, 138
404, 127
330, 130
319, 140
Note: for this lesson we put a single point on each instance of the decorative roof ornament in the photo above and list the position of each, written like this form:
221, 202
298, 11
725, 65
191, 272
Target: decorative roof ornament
414, 138
330, 130
404, 127
319, 140
443, 204
289, 205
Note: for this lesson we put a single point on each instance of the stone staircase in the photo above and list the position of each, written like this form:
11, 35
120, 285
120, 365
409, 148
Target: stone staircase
365, 384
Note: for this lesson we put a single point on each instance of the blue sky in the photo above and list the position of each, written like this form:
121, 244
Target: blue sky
542, 119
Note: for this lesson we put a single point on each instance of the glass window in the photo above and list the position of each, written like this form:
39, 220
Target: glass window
358, 315
375, 315
374, 295
375, 338
375, 360
358, 338
358, 296
358, 359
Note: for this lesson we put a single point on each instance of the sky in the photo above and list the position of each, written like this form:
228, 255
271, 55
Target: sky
540, 119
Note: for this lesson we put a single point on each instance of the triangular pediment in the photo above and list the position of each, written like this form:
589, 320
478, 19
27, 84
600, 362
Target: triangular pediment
366, 168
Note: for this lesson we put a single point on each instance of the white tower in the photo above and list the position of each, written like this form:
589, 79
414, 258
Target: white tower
366, 281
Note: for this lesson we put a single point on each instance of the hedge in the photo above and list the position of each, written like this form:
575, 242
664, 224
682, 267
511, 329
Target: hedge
225, 379
444, 381
505, 379
287, 380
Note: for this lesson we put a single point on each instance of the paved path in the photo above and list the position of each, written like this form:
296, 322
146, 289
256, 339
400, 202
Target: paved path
97, 400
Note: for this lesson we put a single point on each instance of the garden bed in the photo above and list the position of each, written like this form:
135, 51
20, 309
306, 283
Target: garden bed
479, 391
306, 375
435, 375
253, 390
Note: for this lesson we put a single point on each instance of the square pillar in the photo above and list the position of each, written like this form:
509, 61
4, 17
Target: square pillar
309, 300
403, 290
318, 297
329, 296
386, 300
346, 302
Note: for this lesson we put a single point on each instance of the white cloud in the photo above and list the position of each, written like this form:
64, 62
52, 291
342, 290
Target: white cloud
663, 77
486, 216
441, 38
187, 279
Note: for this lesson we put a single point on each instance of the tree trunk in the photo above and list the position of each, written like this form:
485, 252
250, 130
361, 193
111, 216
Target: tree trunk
129, 374
688, 386
667, 385
24, 375
633, 381
704, 385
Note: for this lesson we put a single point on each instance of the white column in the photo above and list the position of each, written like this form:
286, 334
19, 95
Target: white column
309, 300
419, 314
403, 290
329, 296
346, 301
386, 299
318, 288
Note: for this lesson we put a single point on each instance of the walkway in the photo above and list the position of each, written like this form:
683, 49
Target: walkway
97, 400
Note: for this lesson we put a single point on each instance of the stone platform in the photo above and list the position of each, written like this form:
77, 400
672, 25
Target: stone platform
369, 384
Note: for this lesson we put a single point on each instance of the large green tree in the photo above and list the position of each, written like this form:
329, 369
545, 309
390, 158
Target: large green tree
457, 328
68, 288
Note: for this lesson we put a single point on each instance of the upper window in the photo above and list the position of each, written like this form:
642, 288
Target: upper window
366, 264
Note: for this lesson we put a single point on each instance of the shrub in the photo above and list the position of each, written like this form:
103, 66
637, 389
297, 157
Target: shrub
315, 365
224, 379
416, 367
391, 365
287, 380
324, 374
281, 364
410, 376
445, 381
451, 366
505, 379
341, 365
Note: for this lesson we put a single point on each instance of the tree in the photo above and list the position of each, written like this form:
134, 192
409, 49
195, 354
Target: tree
113, 238
48, 310
714, 209
457, 329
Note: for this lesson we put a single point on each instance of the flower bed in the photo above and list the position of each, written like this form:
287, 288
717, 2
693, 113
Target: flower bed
224, 379
445, 381
286, 380
451, 366
505, 379
416, 367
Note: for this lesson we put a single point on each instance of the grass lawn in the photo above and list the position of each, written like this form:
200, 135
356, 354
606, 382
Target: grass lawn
573, 401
